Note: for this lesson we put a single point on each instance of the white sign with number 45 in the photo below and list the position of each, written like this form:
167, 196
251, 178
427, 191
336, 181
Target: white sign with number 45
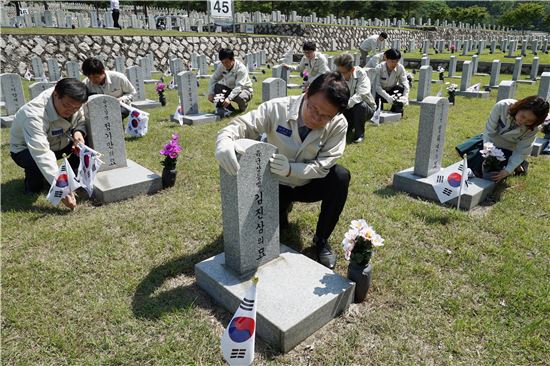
221, 8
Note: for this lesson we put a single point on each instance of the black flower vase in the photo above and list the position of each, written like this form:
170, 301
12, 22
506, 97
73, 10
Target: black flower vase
168, 177
162, 99
441, 76
397, 108
452, 98
362, 276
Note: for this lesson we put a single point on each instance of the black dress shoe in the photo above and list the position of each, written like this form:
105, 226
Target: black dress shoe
325, 255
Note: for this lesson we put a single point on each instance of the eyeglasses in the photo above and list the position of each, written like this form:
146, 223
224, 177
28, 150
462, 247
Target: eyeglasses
65, 103
315, 111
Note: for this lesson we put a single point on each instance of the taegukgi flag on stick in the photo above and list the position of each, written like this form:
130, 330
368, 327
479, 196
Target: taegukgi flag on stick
463, 180
88, 168
64, 183
376, 117
138, 121
447, 182
238, 339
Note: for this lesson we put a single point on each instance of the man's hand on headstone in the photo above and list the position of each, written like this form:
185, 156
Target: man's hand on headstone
226, 102
226, 156
279, 165
211, 98
69, 201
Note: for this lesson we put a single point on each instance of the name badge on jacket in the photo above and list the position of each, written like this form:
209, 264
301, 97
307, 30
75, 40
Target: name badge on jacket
57, 132
284, 131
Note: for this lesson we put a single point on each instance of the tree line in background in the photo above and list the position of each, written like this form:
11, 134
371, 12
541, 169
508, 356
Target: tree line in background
521, 15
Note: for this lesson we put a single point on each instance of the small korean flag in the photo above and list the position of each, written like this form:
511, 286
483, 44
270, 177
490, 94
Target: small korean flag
474, 88
178, 115
447, 183
28, 75
138, 121
239, 337
64, 184
88, 168
376, 117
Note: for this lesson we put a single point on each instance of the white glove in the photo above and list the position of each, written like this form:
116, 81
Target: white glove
279, 165
226, 156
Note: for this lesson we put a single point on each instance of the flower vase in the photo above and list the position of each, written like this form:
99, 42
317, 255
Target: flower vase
361, 275
162, 99
452, 98
486, 173
397, 108
168, 177
441, 76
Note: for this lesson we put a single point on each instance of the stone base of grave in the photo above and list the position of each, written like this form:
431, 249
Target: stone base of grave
296, 295
434, 81
477, 192
123, 183
389, 117
528, 82
255, 73
6, 121
197, 119
454, 77
294, 86
146, 104
150, 81
538, 146
490, 86
478, 94
205, 76
481, 74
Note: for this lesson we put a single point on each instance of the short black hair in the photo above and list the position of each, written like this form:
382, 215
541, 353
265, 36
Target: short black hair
226, 53
335, 88
92, 66
309, 46
344, 60
72, 88
384, 35
392, 54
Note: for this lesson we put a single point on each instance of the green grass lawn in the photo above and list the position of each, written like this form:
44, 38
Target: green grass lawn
114, 284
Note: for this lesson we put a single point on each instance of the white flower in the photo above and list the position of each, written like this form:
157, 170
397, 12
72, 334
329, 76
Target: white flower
377, 240
358, 224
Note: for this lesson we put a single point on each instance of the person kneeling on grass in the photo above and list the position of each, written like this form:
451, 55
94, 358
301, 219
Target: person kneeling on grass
113, 83
361, 103
45, 129
309, 132
232, 82
391, 79
512, 127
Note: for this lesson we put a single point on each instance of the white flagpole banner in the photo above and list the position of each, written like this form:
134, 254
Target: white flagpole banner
238, 339
221, 8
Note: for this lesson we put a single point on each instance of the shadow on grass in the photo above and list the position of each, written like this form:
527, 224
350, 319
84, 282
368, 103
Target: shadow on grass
495, 196
147, 303
14, 199
386, 192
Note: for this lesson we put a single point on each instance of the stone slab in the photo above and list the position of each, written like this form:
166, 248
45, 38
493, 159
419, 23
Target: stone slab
481, 74
437, 81
538, 146
296, 295
477, 192
454, 77
6, 121
205, 76
126, 182
146, 104
528, 82
294, 86
479, 94
150, 81
389, 117
197, 119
